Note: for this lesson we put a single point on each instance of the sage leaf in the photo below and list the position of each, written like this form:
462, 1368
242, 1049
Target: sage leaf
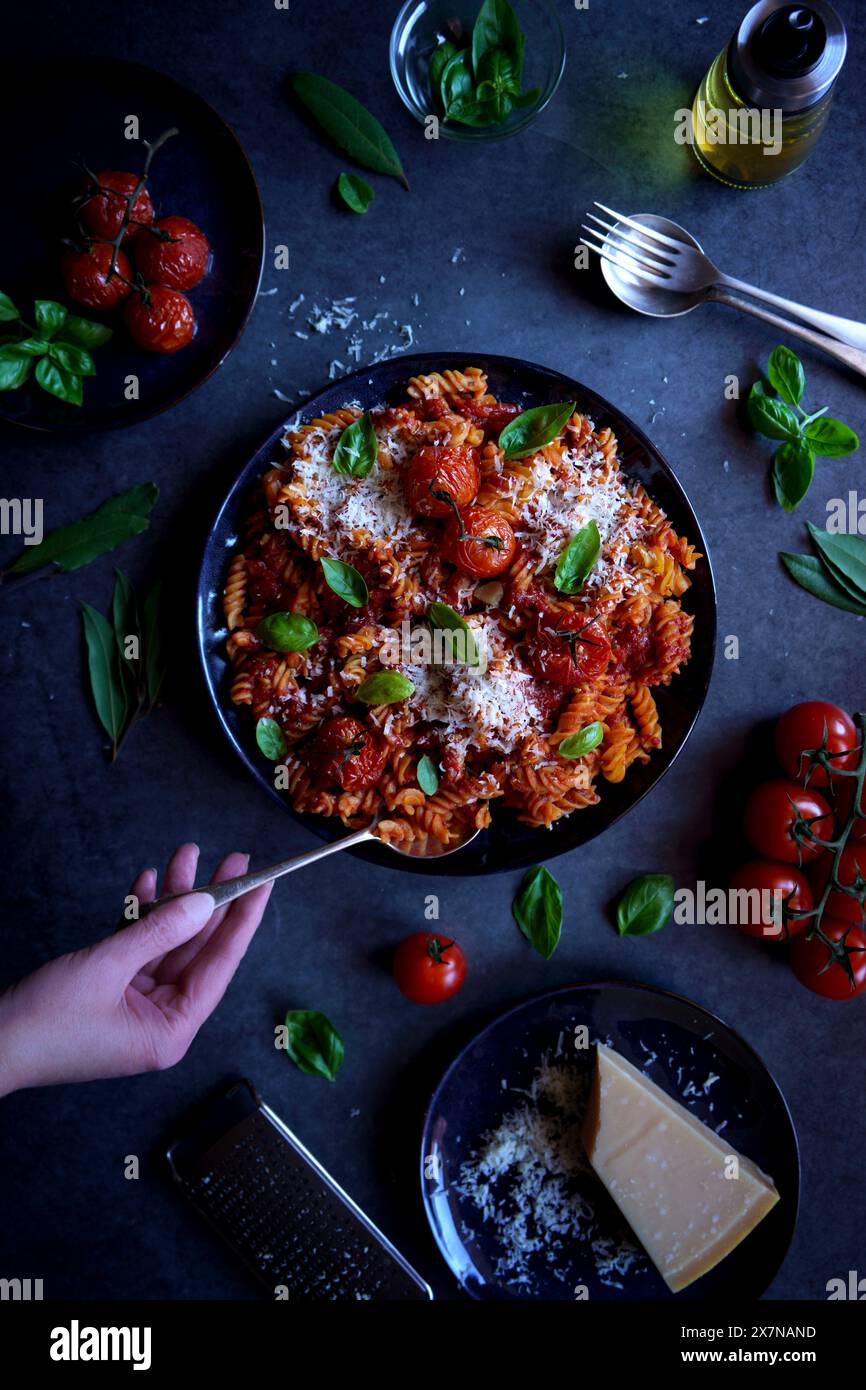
811, 575
355, 192
8, 312
349, 124
84, 332
72, 359
106, 680
529, 432
271, 740
50, 317
577, 559
537, 910
497, 27
155, 656
793, 471
830, 438
287, 632
313, 1043
462, 645
385, 688
646, 905
770, 417
345, 581
427, 774
57, 382
847, 554
70, 547
786, 375
14, 371
583, 742
357, 448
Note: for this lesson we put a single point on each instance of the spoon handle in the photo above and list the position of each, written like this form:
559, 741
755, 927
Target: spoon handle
851, 356
845, 330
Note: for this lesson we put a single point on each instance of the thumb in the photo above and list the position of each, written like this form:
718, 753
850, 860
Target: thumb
161, 930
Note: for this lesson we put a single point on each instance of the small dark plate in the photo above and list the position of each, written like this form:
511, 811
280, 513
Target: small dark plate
507, 844
676, 1043
201, 173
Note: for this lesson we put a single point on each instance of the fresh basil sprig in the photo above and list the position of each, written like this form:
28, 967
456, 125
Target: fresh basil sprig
61, 361
287, 632
313, 1043
271, 740
355, 192
444, 618
345, 581
837, 575
480, 84
349, 124
126, 659
646, 905
533, 429
428, 775
357, 448
385, 688
579, 744
577, 559
537, 910
70, 547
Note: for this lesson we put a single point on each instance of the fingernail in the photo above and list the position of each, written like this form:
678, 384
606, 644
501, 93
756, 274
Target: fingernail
199, 904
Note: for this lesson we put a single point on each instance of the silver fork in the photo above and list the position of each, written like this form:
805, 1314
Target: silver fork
668, 264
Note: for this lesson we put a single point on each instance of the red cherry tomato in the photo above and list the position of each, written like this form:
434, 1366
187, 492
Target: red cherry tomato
179, 261
565, 659
809, 956
851, 865
492, 416
791, 891
103, 213
347, 754
771, 813
488, 544
803, 728
440, 469
85, 275
429, 967
160, 320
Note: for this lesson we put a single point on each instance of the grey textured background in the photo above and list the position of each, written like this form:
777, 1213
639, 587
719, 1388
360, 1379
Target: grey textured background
77, 829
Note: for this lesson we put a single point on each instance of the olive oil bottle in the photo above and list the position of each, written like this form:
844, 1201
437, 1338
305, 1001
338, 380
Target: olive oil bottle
764, 101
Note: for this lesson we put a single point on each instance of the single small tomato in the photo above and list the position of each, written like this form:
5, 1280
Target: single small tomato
429, 967
852, 866
85, 275
481, 543
346, 754
103, 213
440, 478
771, 814
173, 253
777, 884
492, 416
159, 320
569, 649
803, 728
809, 959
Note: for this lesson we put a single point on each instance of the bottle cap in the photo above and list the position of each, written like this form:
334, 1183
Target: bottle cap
787, 56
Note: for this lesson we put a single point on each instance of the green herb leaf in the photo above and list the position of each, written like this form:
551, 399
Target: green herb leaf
384, 688
793, 471
155, 655
124, 617
457, 86
26, 347
287, 632
646, 905
357, 448
14, 371
529, 432
497, 27
830, 438
463, 647
355, 192
471, 112
583, 742
72, 359
527, 98
53, 379
8, 312
537, 910
577, 559
106, 679
428, 775
50, 317
845, 554
313, 1043
770, 417
345, 581
271, 740
349, 124
70, 547
811, 575
438, 61
84, 332
786, 375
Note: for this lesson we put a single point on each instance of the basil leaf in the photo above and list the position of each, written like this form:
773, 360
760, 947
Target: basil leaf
271, 740
8, 312
577, 745
457, 85
349, 124
793, 471
72, 359
527, 98
577, 559
646, 905
529, 432
384, 688
155, 656
474, 113
786, 375
70, 547
313, 1043
830, 438
497, 27
124, 617
345, 581
355, 192
446, 620
49, 316
771, 417
810, 574
27, 347
287, 632
847, 554
438, 61
14, 371
537, 910
496, 68
84, 332
53, 379
428, 776
106, 680
357, 448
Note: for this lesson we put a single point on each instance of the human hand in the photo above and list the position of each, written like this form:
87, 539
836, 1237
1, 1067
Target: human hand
134, 1001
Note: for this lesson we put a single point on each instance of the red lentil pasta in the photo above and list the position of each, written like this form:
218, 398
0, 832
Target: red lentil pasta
443, 516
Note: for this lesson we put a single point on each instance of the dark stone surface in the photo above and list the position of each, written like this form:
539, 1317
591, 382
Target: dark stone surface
77, 829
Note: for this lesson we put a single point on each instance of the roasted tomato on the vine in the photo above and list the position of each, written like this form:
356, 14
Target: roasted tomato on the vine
785, 885
773, 810
851, 874
429, 967
103, 213
481, 542
810, 956
173, 253
85, 275
569, 649
803, 728
347, 754
440, 478
159, 320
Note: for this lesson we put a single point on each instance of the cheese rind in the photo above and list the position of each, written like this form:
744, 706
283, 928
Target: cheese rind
669, 1174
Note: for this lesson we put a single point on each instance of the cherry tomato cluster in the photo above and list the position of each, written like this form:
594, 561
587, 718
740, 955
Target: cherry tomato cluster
788, 821
170, 255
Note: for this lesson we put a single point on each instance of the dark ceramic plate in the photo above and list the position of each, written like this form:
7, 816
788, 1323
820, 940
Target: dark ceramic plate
507, 844
202, 173
681, 1047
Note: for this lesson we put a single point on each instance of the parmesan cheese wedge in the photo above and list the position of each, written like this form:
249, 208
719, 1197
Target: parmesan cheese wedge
689, 1197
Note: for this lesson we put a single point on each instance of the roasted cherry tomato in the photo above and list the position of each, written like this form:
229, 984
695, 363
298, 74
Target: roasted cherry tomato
809, 956
429, 967
85, 274
569, 649
159, 320
784, 884
803, 728
175, 253
347, 754
480, 543
771, 813
852, 865
440, 478
492, 416
103, 213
